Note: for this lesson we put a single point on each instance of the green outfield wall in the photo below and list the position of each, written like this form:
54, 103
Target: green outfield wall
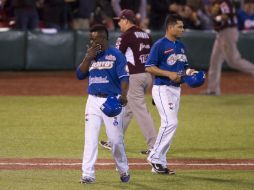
37, 50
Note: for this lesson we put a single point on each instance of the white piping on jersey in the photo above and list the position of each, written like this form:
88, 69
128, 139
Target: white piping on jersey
130, 56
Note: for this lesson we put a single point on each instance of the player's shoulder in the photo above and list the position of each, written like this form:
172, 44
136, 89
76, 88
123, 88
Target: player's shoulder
161, 42
116, 52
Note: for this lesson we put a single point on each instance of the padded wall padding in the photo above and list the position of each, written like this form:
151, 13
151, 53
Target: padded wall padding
50, 51
81, 42
12, 50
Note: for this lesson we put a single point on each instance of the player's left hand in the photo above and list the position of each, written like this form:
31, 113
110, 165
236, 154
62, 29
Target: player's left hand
123, 100
190, 72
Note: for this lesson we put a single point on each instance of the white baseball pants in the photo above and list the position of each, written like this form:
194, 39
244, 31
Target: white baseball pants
167, 99
114, 129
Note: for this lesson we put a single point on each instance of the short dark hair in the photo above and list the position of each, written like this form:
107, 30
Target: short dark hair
99, 28
172, 19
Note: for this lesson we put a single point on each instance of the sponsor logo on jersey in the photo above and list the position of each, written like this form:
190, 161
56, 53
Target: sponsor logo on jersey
248, 24
168, 51
173, 58
101, 65
110, 57
96, 80
143, 46
142, 35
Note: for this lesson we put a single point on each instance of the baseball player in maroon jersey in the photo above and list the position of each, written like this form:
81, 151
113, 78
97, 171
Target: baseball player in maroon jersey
225, 45
136, 44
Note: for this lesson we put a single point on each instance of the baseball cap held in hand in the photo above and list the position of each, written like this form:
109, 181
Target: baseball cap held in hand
126, 14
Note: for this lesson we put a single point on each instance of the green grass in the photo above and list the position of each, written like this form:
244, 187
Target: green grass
52, 127
209, 127
109, 180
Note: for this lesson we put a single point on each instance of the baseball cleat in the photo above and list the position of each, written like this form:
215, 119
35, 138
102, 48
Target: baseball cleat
160, 169
105, 144
208, 93
125, 177
87, 180
146, 152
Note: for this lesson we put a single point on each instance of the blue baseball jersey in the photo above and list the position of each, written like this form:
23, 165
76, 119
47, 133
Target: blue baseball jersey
106, 72
167, 55
245, 21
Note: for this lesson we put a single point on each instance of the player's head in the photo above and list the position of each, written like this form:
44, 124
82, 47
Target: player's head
126, 19
99, 35
174, 26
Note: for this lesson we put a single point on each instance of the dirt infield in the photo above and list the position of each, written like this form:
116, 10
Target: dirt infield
135, 164
65, 83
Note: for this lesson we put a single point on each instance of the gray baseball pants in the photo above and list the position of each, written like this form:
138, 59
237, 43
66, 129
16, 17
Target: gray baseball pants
225, 48
138, 85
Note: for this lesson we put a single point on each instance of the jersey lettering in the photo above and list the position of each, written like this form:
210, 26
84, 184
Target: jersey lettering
143, 46
142, 35
95, 80
101, 65
143, 58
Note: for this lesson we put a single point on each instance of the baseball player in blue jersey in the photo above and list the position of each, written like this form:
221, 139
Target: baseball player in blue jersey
167, 61
105, 68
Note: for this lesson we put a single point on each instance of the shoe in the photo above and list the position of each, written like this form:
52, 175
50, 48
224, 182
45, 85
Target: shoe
125, 177
87, 180
159, 169
209, 93
145, 152
105, 144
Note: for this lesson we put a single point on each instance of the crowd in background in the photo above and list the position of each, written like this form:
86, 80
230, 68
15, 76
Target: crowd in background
82, 14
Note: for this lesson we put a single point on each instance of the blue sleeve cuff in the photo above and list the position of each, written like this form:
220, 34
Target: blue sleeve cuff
80, 75
125, 79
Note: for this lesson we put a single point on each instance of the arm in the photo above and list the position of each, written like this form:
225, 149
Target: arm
124, 88
116, 6
159, 72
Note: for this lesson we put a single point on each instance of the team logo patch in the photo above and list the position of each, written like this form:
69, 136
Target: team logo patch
115, 123
173, 58
168, 51
110, 58
171, 106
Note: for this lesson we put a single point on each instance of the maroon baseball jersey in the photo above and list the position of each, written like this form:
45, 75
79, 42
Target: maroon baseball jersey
225, 7
135, 44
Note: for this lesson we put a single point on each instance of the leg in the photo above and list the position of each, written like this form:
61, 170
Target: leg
167, 102
33, 20
216, 60
127, 116
21, 19
137, 103
92, 128
114, 130
233, 56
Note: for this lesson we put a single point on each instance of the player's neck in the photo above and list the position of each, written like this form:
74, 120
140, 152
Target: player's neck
171, 37
129, 26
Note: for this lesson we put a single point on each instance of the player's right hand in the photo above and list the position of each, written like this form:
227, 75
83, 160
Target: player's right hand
92, 51
123, 100
175, 77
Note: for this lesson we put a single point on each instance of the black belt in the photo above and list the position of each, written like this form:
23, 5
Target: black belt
101, 95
